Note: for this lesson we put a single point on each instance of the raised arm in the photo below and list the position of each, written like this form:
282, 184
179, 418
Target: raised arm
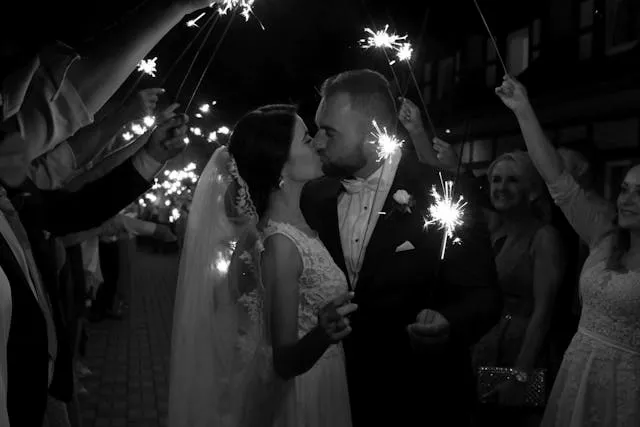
543, 154
410, 117
281, 270
114, 56
589, 216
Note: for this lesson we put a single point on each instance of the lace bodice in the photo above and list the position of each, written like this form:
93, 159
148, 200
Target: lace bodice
321, 279
611, 300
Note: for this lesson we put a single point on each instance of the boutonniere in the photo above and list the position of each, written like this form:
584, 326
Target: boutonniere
404, 201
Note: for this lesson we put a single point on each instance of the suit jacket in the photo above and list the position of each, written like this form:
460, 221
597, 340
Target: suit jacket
58, 212
384, 371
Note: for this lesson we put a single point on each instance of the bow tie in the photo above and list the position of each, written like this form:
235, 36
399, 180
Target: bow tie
354, 186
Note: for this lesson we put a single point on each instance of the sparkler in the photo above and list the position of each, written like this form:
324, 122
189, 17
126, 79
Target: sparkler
386, 144
245, 7
404, 52
446, 213
127, 136
205, 108
194, 22
493, 39
149, 121
213, 136
382, 39
138, 129
224, 130
148, 66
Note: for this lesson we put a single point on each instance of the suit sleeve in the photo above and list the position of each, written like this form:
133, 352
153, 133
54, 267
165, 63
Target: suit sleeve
468, 288
95, 203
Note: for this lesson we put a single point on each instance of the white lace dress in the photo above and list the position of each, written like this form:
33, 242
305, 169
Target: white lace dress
319, 397
598, 384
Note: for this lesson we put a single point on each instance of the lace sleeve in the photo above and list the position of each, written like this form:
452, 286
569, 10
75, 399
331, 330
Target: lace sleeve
590, 216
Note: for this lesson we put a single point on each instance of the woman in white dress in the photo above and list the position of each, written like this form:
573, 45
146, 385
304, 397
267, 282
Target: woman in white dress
260, 307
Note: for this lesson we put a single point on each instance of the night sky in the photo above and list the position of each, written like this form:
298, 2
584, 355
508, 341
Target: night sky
304, 42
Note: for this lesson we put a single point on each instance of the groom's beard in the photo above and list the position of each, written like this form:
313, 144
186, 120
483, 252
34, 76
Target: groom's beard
345, 167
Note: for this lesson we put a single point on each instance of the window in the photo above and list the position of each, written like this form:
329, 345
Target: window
491, 64
536, 37
445, 77
427, 83
518, 51
585, 29
622, 25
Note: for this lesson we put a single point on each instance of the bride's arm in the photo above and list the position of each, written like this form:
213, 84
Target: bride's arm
281, 269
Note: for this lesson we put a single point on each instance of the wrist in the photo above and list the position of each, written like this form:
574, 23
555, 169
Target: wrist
524, 112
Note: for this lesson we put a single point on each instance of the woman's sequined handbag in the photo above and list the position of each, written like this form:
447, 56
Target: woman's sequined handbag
489, 377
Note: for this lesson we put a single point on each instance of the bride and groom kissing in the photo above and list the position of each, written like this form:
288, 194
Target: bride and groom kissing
310, 293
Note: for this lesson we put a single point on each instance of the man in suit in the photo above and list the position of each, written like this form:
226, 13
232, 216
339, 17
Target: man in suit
408, 356
39, 359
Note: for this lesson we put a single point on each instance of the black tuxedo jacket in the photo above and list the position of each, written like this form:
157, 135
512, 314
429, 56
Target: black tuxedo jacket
389, 380
58, 212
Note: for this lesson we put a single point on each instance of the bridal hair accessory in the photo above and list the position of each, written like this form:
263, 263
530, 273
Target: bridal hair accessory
243, 203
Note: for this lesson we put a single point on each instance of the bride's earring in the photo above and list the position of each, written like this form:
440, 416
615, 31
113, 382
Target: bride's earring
281, 183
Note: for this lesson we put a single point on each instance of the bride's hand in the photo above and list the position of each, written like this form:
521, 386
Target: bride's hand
332, 318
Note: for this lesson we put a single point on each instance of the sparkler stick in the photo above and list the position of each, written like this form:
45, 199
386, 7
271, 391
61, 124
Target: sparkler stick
195, 58
214, 18
493, 40
194, 22
213, 55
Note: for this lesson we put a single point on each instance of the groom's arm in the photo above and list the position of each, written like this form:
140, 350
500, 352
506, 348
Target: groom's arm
468, 290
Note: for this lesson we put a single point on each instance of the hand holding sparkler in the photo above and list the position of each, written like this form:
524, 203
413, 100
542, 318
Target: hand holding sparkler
446, 155
513, 94
410, 117
167, 140
144, 103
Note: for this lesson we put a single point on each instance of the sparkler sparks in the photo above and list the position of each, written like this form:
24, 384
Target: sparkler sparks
138, 129
381, 39
224, 130
149, 121
386, 144
246, 7
194, 22
128, 136
446, 213
148, 66
404, 52
205, 108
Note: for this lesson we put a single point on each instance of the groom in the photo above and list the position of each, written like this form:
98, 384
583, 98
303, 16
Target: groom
408, 357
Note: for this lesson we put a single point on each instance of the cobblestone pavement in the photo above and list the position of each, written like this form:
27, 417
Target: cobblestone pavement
129, 358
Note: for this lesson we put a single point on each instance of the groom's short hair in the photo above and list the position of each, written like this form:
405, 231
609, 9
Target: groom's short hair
368, 91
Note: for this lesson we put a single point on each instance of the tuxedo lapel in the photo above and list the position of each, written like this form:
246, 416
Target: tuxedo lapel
389, 227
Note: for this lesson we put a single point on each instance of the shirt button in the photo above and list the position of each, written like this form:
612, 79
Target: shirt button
366, 207
357, 240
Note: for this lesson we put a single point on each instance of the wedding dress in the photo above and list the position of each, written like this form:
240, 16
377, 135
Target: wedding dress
221, 359
319, 397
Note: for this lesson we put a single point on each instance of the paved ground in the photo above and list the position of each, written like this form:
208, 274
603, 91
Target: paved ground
130, 358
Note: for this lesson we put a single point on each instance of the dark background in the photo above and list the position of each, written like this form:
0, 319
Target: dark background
304, 42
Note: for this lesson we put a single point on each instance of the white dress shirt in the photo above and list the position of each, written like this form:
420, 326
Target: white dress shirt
358, 211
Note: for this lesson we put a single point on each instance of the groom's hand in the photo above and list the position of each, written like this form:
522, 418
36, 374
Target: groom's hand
430, 328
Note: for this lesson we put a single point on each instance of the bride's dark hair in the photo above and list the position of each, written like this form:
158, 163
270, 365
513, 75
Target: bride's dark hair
260, 145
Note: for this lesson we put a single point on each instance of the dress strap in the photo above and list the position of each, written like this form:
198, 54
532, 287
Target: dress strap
299, 238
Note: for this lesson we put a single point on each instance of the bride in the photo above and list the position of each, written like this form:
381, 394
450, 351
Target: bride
260, 306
